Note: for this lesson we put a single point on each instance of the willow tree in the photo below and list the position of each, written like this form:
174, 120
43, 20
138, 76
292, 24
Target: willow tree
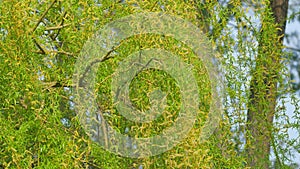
264, 83
258, 55
41, 41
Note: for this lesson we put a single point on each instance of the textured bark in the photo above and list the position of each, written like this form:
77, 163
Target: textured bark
279, 9
263, 92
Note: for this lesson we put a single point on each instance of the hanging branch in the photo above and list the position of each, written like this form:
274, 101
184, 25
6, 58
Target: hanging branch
43, 16
292, 48
106, 57
56, 27
61, 25
42, 50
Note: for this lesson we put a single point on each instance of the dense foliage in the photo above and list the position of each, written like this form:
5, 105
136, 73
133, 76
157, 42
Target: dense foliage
40, 42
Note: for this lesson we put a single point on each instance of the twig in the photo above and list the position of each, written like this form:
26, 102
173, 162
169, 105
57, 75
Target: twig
106, 57
42, 50
42, 17
56, 27
61, 52
56, 84
275, 151
294, 49
156, 2
61, 23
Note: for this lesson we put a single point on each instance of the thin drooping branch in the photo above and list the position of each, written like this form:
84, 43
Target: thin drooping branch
42, 50
106, 57
61, 25
292, 48
56, 27
43, 16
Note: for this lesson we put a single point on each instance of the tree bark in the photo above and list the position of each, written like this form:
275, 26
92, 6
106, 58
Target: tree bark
263, 88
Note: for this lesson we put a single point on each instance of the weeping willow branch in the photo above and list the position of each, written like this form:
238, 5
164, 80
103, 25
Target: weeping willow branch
43, 16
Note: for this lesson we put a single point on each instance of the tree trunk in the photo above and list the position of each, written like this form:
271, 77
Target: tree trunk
263, 86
